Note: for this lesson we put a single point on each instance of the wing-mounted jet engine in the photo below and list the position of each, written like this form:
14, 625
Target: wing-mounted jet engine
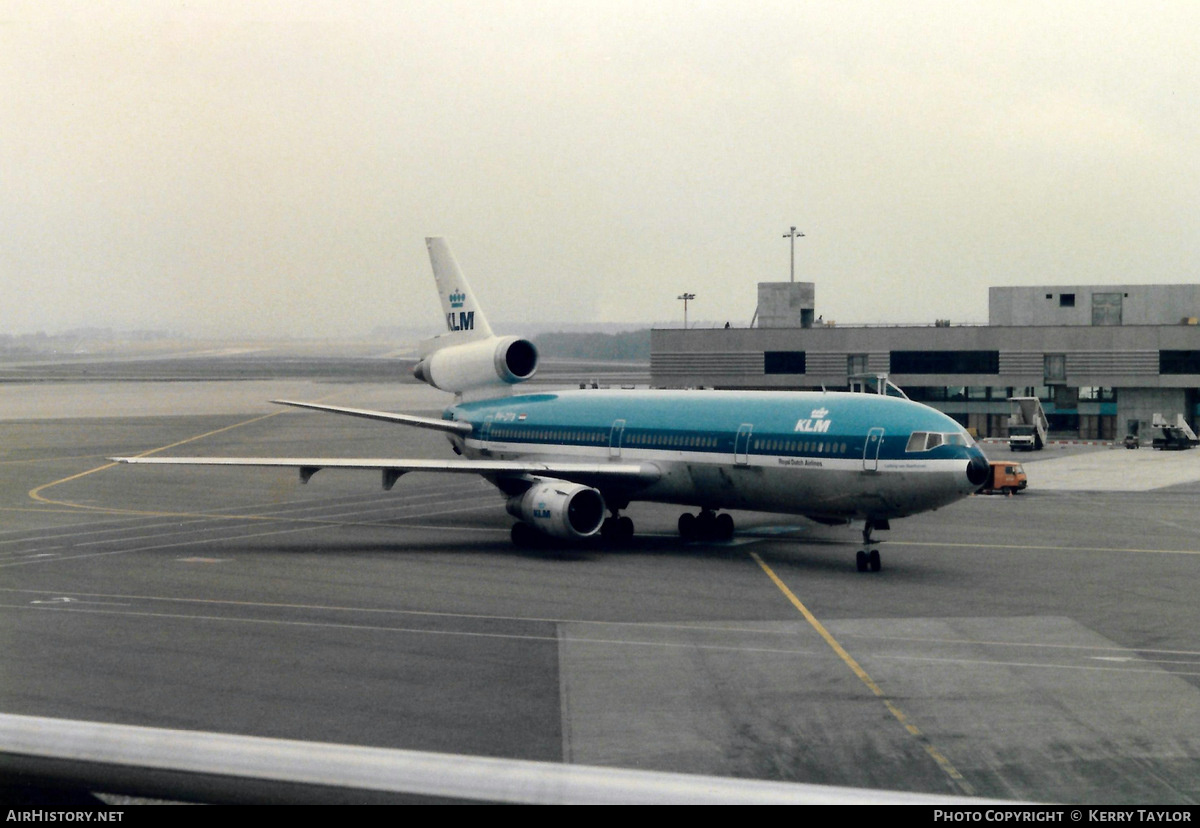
469, 360
567, 511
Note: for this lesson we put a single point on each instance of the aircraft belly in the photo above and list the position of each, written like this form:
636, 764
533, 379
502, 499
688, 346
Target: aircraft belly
906, 493
759, 488
849, 493
804, 486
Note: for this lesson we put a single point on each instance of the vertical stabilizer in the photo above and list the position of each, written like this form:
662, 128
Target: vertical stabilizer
468, 360
465, 321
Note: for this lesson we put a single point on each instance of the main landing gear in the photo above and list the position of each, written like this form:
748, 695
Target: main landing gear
616, 529
868, 559
525, 536
707, 525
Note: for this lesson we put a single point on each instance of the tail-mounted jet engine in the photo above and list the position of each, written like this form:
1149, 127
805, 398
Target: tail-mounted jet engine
496, 361
569, 511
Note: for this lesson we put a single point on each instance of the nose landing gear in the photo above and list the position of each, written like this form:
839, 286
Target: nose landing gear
868, 559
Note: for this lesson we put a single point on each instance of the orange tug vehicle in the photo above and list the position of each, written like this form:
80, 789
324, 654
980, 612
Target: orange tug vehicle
1005, 477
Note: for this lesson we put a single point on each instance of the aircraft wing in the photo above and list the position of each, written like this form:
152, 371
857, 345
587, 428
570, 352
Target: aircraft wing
591, 474
437, 424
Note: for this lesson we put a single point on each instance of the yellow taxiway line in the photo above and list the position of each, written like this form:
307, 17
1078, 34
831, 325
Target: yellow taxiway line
956, 778
36, 492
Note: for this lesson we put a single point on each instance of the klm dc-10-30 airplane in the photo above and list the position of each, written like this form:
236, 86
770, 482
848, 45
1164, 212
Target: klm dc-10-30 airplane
565, 459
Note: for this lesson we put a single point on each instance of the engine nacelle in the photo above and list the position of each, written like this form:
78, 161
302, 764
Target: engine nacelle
496, 361
570, 511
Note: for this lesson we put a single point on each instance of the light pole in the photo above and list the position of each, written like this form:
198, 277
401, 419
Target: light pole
793, 235
685, 297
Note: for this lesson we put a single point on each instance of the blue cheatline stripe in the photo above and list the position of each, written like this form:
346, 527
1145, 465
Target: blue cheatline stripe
833, 445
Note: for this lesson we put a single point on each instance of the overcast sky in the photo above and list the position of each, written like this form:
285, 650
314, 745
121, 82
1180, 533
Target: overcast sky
272, 167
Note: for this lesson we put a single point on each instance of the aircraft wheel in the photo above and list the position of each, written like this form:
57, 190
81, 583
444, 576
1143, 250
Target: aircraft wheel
608, 529
524, 535
706, 525
624, 529
687, 526
873, 560
723, 526
861, 560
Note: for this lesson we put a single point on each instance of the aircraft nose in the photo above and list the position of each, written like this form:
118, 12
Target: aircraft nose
978, 470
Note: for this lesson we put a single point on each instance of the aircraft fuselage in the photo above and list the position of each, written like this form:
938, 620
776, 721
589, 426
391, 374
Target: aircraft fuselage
828, 455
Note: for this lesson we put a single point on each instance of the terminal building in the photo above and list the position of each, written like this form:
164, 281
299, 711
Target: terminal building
1102, 359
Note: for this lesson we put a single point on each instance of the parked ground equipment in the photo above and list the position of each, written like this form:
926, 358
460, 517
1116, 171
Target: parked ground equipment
1175, 436
1006, 477
1027, 424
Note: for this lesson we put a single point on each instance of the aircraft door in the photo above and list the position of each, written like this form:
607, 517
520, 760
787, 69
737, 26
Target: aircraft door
485, 433
871, 450
615, 438
741, 445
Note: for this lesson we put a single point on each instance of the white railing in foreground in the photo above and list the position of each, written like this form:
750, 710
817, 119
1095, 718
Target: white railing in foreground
219, 767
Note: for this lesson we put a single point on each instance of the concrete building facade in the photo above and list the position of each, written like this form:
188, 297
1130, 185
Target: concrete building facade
786, 304
1094, 305
1098, 379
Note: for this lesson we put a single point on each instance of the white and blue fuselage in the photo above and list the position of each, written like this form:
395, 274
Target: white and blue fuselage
827, 455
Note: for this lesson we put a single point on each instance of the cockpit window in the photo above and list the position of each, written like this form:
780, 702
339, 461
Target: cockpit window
929, 440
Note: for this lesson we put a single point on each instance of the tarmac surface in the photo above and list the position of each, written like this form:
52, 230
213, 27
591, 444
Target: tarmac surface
1042, 647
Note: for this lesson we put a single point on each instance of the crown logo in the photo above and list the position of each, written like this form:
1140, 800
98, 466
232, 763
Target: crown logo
457, 298
819, 413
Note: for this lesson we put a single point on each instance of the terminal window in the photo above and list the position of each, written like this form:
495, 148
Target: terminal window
1066, 300
1179, 362
945, 362
1055, 368
783, 362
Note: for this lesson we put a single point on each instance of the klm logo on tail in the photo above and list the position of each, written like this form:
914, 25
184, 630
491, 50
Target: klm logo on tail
462, 321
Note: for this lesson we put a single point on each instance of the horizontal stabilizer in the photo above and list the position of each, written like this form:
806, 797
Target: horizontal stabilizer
452, 426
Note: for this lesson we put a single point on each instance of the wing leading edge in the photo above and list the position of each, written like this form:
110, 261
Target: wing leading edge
592, 474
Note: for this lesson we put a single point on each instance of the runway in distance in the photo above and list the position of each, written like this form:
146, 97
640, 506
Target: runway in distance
564, 459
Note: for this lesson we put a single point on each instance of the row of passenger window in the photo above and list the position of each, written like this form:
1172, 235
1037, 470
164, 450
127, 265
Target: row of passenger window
800, 446
660, 441
699, 441
549, 435
696, 441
